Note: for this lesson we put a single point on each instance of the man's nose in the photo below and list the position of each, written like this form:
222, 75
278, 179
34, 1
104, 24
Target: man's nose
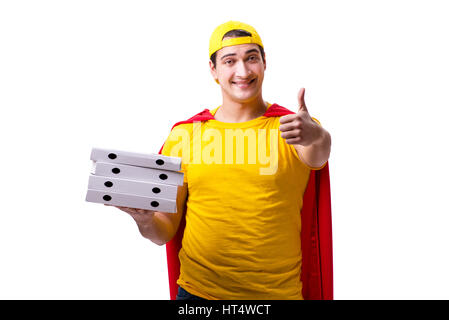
242, 69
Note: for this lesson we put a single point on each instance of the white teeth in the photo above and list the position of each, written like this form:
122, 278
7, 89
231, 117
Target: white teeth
244, 83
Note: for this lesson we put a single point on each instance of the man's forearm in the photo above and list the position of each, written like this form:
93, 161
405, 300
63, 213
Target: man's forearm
159, 229
316, 154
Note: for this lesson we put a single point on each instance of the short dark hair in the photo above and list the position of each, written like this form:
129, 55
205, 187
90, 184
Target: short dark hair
236, 33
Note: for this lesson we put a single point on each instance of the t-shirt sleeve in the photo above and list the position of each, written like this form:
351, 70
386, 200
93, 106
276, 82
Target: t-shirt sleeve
177, 144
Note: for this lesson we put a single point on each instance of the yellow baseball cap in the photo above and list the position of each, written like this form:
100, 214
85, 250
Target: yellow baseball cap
216, 40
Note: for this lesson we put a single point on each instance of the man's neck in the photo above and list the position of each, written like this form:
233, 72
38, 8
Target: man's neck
235, 112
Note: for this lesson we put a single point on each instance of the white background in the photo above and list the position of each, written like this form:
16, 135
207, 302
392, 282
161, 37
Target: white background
119, 74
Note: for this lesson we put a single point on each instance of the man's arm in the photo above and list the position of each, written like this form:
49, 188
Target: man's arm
311, 141
316, 154
159, 227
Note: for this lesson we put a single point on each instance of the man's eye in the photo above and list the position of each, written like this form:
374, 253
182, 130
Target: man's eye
228, 61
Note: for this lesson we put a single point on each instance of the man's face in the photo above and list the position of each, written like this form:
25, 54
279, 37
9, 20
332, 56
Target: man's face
240, 71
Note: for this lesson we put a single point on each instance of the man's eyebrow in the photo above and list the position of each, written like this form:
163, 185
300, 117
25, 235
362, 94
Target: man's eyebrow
228, 55
234, 54
252, 50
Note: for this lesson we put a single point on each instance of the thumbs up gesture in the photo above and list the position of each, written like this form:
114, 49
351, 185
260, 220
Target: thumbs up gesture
299, 128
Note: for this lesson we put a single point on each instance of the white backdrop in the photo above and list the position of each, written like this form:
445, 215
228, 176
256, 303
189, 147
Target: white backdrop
119, 74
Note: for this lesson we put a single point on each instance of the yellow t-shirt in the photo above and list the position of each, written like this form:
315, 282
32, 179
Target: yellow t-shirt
245, 186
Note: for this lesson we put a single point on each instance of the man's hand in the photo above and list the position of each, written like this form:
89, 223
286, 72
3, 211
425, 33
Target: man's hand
159, 227
311, 141
299, 128
141, 216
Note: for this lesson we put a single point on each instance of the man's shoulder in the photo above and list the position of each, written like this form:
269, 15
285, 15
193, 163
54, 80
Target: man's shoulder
203, 115
179, 127
275, 110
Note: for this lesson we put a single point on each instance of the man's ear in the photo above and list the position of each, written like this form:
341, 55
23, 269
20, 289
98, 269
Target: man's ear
213, 71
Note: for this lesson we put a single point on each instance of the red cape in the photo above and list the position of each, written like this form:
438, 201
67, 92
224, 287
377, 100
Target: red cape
316, 232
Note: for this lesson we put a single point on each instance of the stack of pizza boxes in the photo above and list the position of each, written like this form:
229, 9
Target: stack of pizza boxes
134, 180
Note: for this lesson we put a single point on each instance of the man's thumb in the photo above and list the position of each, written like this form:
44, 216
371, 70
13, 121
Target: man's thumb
301, 101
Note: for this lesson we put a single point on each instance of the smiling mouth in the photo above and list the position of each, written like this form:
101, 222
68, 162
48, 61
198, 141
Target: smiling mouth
244, 84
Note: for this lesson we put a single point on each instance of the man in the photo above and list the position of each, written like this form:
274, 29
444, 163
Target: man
245, 171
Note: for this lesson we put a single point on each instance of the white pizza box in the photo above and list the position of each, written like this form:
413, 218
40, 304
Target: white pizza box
136, 159
133, 187
124, 171
131, 201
